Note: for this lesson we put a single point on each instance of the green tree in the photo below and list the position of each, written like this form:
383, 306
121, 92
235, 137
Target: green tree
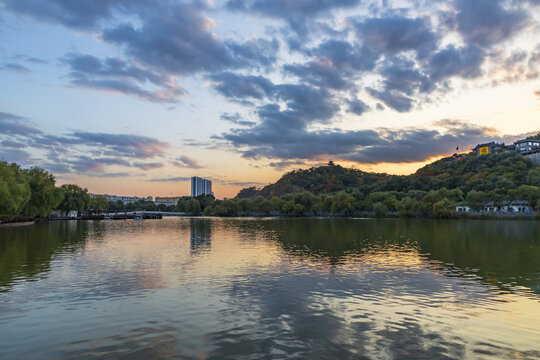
15, 191
74, 198
444, 209
193, 207
379, 209
99, 203
475, 199
44, 195
289, 208
408, 207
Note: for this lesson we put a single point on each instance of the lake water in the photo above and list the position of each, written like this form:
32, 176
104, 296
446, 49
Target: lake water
197, 288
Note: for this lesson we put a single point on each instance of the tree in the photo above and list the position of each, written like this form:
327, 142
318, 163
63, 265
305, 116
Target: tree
193, 207
475, 199
99, 203
407, 207
444, 209
44, 195
75, 198
289, 207
379, 209
14, 189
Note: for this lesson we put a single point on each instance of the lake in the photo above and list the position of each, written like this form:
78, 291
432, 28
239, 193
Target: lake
211, 288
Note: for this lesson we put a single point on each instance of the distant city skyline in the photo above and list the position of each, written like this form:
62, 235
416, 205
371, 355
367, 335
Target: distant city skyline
137, 96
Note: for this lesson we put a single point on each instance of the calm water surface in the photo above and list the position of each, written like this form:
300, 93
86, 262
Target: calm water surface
268, 288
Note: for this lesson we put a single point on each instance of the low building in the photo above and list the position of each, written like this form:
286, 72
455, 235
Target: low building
56, 214
489, 148
463, 208
527, 146
167, 200
123, 199
490, 207
518, 207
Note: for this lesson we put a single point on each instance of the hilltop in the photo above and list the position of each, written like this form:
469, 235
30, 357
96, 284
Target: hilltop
498, 173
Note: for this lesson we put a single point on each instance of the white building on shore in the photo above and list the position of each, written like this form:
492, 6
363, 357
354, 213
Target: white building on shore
123, 199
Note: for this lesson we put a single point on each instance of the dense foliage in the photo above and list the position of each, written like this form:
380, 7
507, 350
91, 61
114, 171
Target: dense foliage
433, 190
330, 190
32, 192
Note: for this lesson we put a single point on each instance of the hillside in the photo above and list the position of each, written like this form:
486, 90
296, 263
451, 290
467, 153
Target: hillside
497, 173
321, 180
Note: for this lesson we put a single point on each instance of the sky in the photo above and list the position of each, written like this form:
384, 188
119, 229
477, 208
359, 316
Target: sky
133, 97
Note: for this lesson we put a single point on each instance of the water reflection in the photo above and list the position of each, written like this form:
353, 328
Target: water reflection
200, 234
505, 253
26, 252
280, 289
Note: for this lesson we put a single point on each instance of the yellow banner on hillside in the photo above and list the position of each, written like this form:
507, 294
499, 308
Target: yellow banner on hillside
484, 150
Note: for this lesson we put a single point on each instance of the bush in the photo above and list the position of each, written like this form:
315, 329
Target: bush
379, 209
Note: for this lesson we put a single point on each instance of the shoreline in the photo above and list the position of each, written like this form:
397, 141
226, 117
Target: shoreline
14, 224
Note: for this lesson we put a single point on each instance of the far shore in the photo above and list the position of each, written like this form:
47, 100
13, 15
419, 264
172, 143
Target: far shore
24, 223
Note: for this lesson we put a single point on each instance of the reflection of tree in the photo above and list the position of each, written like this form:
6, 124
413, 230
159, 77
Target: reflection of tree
200, 234
26, 252
501, 252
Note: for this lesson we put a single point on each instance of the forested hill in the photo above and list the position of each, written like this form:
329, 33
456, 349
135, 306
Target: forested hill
321, 180
497, 173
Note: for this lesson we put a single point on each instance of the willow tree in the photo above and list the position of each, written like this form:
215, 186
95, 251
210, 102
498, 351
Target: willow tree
75, 198
44, 195
14, 189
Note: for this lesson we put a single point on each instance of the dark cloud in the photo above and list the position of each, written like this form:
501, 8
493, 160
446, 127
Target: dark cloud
36, 60
114, 74
365, 146
171, 179
56, 168
391, 35
148, 166
280, 165
14, 155
13, 144
11, 124
79, 14
288, 9
402, 76
336, 64
464, 62
487, 22
297, 14
393, 99
134, 146
187, 162
177, 39
85, 163
114, 175
80, 152
413, 145
237, 119
235, 86
357, 106
15, 68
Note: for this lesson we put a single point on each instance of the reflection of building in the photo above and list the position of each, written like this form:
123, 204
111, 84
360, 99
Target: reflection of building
200, 186
123, 199
200, 231
164, 200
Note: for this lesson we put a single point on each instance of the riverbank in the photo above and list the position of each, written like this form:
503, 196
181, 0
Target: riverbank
13, 224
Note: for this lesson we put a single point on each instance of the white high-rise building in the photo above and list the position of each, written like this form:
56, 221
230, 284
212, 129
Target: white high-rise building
200, 186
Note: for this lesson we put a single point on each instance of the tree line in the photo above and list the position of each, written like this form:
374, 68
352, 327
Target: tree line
33, 192
331, 190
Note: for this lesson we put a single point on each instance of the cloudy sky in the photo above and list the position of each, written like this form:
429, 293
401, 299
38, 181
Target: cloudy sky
136, 96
